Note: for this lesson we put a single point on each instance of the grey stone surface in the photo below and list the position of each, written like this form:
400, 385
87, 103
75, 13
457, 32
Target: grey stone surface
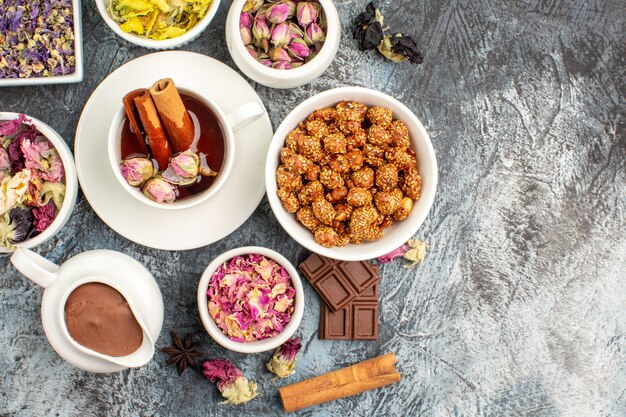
520, 306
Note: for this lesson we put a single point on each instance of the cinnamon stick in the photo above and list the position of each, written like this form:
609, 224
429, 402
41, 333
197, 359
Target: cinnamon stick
372, 373
159, 145
173, 113
131, 114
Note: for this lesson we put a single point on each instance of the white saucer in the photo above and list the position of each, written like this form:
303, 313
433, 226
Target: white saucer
172, 229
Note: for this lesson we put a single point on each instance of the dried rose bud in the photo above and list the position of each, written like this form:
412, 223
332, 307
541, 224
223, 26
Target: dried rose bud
279, 54
265, 61
281, 35
159, 190
186, 164
280, 12
260, 30
282, 65
235, 388
245, 20
283, 363
136, 171
246, 35
306, 13
296, 64
295, 31
252, 5
298, 49
313, 34
251, 51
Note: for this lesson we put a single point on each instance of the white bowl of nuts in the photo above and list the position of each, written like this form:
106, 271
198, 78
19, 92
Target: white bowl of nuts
351, 174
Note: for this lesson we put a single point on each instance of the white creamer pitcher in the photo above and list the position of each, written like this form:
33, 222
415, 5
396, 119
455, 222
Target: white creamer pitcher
121, 272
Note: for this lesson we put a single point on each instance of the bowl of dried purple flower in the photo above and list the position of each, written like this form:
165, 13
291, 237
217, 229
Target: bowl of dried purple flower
38, 185
250, 299
284, 43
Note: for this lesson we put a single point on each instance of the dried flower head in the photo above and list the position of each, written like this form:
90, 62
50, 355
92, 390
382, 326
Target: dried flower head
283, 362
235, 388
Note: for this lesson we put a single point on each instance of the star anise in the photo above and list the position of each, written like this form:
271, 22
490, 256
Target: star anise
183, 353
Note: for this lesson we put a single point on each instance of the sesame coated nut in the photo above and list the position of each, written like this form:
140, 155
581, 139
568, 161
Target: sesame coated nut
343, 212
309, 192
358, 197
412, 183
289, 201
339, 163
337, 194
326, 115
355, 159
387, 177
357, 139
313, 173
402, 212
323, 210
378, 115
374, 155
364, 177
311, 147
378, 136
287, 179
387, 202
399, 134
307, 218
317, 129
292, 139
335, 143
402, 158
331, 179
326, 236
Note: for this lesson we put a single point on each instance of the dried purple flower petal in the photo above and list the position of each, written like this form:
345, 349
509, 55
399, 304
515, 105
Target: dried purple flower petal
405, 45
21, 218
368, 28
44, 216
396, 253
283, 362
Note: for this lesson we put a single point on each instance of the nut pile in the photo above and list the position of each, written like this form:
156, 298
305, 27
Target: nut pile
348, 172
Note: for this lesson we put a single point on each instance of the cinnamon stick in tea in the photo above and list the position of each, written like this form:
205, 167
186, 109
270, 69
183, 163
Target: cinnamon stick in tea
372, 373
133, 118
176, 120
159, 145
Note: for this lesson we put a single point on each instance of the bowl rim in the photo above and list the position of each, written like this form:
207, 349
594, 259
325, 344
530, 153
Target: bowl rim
260, 345
225, 171
383, 245
71, 181
154, 43
323, 58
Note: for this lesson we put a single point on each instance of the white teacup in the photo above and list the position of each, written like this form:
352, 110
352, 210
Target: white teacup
231, 122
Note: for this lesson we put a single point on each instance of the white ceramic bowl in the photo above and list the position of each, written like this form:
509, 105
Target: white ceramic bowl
260, 345
276, 78
179, 41
71, 182
115, 159
393, 236
76, 76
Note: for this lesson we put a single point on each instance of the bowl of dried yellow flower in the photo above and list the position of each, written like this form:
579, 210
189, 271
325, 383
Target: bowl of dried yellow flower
158, 24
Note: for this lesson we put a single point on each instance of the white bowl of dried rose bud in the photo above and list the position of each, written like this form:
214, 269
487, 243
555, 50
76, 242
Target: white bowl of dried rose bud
276, 56
373, 144
250, 299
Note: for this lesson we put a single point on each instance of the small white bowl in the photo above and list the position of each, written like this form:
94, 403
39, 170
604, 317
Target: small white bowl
71, 182
260, 345
76, 76
276, 78
172, 43
396, 234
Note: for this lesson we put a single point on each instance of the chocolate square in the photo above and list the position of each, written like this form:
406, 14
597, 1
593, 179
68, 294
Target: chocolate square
364, 321
361, 275
335, 325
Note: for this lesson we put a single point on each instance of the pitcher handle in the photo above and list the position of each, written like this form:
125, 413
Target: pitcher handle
245, 114
36, 268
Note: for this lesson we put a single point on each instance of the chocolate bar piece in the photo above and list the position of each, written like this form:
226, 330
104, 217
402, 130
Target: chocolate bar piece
356, 321
339, 282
